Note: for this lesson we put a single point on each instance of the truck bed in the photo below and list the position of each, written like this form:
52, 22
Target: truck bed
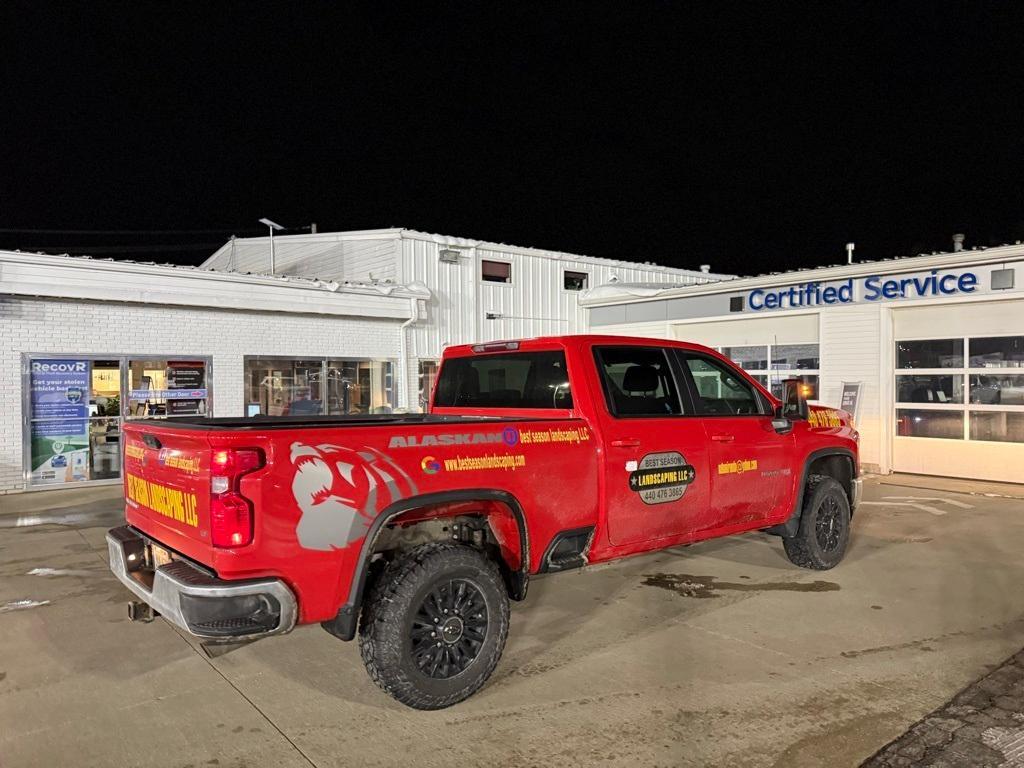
262, 423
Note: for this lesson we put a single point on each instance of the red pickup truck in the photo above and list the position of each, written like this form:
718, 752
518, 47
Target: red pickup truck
537, 456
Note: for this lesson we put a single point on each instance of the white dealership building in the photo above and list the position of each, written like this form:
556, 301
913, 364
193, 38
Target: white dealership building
344, 322
929, 350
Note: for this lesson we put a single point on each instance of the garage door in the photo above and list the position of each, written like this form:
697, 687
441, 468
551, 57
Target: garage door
959, 391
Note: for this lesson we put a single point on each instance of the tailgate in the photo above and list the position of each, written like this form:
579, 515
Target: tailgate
167, 486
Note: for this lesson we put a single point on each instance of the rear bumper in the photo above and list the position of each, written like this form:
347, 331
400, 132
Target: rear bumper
202, 605
857, 488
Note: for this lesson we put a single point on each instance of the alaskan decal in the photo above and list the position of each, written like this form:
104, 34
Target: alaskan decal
510, 436
340, 492
661, 477
134, 451
737, 467
824, 418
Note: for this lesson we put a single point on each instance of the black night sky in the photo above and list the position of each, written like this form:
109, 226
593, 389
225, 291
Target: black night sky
753, 137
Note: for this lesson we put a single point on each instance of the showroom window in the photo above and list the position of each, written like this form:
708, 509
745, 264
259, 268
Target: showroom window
961, 388
75, 406
291, 386
771, 364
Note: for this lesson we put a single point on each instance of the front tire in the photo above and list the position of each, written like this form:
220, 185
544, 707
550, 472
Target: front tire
824, 532
434, 625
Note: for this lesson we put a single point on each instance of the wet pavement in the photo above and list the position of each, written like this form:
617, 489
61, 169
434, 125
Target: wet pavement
717, 654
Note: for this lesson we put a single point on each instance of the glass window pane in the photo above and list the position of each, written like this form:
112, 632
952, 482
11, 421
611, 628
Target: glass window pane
997, 389
60, 390
359, 386
810, 382
159, 388
575, 281
496, 271
638, 382
721, 391
996, 352
932, 353
748, 358
795, 356
283, 387
427, 377
921, 423
999, 426
515, 380
929, 389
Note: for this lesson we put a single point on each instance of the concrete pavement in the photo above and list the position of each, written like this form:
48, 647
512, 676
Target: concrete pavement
717, 654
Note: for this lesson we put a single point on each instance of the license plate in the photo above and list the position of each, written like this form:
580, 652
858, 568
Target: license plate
159, 556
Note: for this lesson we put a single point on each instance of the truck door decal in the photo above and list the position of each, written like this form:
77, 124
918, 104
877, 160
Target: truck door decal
661, 477
340, 491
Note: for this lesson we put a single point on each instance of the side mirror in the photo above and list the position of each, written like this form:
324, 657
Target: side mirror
794, 405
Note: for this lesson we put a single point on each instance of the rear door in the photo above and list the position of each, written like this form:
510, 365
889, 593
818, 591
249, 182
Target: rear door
749, 466
167, 486
655, 458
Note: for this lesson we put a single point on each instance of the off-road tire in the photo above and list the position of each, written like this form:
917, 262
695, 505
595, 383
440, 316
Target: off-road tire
821, 547
388, 615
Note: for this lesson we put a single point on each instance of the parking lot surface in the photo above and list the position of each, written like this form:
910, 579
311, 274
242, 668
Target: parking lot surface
721, 653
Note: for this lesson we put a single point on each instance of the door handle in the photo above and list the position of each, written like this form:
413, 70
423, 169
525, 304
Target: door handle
626, 442
723, 438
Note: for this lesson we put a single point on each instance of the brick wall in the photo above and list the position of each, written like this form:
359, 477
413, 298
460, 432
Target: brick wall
64, 327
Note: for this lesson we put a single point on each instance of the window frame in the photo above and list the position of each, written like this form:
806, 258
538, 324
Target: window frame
123, 359
507, 262
325, 361
586, 280
682, 394
965, 371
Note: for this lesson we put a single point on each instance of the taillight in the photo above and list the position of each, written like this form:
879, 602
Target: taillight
230, 511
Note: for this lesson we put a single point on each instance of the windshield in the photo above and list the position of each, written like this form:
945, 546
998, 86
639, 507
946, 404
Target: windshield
512, 380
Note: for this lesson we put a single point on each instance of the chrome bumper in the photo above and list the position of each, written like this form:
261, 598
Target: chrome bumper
200, 604
858, 491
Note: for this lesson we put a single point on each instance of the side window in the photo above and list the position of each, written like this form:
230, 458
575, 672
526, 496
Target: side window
637, 381
720, 391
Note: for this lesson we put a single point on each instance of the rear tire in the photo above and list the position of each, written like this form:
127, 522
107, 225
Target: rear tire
824, 532
434, 625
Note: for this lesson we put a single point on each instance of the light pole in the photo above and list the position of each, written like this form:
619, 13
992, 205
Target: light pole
271, 226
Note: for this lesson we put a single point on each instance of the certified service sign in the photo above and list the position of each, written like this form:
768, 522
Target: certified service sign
661, 477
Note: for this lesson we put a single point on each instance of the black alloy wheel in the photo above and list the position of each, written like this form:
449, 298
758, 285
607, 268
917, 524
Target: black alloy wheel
828, 524
449, 629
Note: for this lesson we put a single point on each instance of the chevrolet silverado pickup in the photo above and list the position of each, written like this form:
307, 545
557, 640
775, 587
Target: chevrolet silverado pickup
415, 531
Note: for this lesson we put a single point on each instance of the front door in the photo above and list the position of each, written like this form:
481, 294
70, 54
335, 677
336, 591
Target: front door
656, 457
749, 460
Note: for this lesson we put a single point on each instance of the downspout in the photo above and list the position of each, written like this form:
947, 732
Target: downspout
403, 350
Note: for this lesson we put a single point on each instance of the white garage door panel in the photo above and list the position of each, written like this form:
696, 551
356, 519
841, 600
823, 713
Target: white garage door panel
791, 329
998, 461
990, 318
